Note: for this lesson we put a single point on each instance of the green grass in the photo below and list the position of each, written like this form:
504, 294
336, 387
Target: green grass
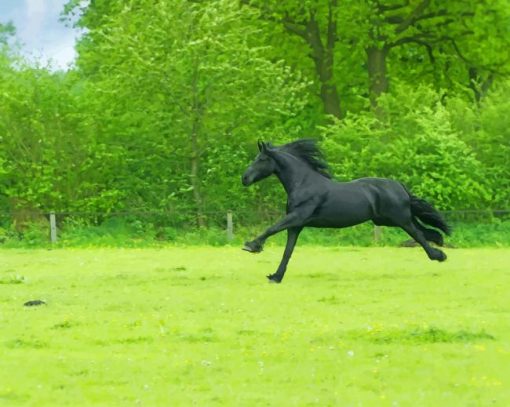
201, 326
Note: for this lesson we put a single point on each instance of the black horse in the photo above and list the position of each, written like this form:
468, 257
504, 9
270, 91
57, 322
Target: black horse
315, 200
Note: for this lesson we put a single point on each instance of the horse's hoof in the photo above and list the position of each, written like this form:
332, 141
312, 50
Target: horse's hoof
249, 247
273, 279
439, 256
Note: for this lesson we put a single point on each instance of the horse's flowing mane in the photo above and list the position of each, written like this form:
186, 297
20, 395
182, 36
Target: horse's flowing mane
308, 151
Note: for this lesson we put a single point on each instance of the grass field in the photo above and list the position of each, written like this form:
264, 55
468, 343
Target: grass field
201, 326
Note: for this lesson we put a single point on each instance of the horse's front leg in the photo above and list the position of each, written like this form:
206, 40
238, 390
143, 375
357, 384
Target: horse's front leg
292, 236
292, 219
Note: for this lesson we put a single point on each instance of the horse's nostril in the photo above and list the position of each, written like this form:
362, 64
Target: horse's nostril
245, 180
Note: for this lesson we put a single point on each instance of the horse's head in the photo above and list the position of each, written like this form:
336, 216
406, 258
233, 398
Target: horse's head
262, 167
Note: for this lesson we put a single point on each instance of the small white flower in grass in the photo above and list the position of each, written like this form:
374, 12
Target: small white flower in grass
206, 363
350, 353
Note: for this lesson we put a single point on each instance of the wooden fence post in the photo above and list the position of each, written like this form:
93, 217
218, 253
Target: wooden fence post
377, 234
230, 226
53, 227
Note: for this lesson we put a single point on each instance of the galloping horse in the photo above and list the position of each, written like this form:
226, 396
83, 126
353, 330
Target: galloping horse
315, 200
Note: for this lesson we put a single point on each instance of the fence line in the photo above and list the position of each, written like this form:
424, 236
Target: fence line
480, 211
43, 212
228, 216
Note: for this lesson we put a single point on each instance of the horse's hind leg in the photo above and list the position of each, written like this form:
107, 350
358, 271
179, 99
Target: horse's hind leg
418, 235
430, 234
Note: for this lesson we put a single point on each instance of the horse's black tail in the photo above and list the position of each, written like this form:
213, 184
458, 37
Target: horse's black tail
427, 214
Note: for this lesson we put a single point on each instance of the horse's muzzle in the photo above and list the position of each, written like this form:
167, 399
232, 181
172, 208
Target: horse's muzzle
246, 180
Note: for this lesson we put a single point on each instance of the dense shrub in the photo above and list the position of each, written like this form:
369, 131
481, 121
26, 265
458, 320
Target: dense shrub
411, 139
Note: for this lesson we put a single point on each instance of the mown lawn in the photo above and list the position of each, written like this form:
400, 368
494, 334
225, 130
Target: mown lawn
201, 326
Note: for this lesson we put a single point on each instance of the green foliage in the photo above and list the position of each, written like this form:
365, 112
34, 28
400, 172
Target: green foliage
6, 32
50, 156
161, 115
414, 141
179, 104
486, 129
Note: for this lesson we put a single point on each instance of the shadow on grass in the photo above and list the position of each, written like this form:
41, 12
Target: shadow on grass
407, 336
205, 335
420, 336
12, 279
11, 396
135, 340
25, 343
65, 325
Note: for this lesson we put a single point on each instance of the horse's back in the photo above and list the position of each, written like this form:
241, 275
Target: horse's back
385, 187
386, 191
390, 199
360, 200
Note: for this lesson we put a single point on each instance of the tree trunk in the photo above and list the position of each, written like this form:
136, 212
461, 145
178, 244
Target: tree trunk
330, 98
377, 76
197, 112
194, 174
479, 86
323, 57
322, 53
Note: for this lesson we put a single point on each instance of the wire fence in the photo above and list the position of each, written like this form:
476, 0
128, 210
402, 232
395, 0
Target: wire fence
457, 213
225, 219
248, 216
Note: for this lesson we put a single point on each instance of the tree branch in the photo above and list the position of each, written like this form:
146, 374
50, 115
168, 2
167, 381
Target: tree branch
415, 14
298, 28
331, 39
440, 13
418, 41
382, 8
294, 28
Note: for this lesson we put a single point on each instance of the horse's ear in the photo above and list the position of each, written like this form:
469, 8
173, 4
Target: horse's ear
263, 147
260, 144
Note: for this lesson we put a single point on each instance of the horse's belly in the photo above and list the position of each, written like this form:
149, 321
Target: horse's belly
336, 222
347, 205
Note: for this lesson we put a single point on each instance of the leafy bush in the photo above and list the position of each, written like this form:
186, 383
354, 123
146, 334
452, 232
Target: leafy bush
411, 140
486, 129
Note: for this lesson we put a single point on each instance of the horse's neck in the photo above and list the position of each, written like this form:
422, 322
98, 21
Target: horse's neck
292, 172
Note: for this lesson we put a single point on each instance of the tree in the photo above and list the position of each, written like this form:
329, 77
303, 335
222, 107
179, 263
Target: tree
355, 44
183, 78
454, 37
6, 32
417, 141
315, 23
